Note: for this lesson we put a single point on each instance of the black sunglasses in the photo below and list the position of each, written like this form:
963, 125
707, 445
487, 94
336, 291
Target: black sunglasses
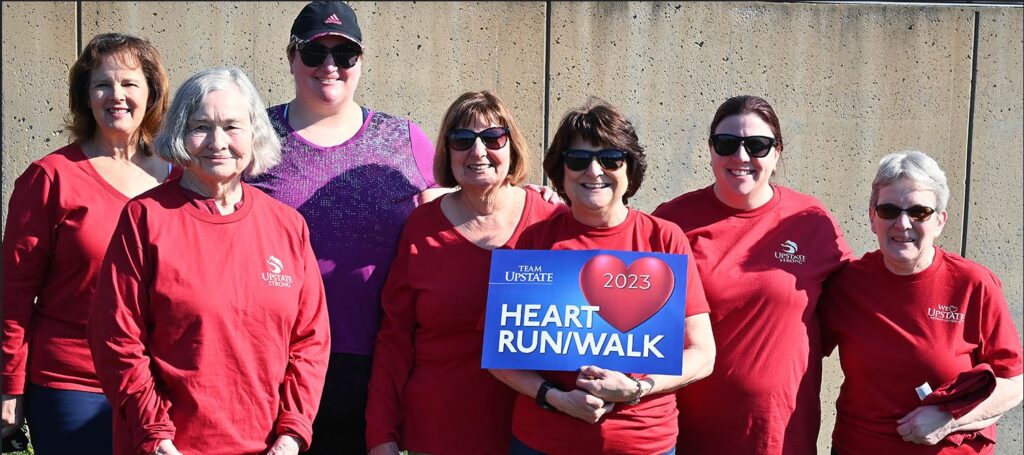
313, 54
578, 160
727, 144
493, 138
893, 211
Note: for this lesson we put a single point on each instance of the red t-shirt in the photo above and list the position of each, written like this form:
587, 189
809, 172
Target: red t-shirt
59, 222
762, 271
426, 363
209, 330
896, 332
646, 428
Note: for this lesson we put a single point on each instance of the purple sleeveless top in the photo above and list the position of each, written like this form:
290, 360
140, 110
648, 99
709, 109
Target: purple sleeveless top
355, 197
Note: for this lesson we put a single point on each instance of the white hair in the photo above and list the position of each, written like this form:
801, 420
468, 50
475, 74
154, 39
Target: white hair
169, 143
916, 167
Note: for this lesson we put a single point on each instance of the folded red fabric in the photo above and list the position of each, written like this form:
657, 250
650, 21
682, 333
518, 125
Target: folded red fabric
961, 395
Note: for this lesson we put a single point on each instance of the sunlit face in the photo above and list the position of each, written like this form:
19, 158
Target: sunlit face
907, 245
327, 83
741, 181
118, 94
220, 136
480, 167
594, 190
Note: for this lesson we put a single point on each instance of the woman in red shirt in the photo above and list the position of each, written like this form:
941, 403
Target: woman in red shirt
427, 357
763, 252
209, 325
912, 317
596, 163
61, 214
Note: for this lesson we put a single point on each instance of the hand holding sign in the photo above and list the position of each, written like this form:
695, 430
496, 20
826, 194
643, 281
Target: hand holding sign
608, 385
627, 296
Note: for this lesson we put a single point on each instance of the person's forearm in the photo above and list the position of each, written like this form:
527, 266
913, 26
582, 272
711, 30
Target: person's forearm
1006, 396
526, 382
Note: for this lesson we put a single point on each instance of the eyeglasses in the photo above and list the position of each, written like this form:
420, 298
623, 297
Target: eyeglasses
493, 138
578, 160
313, 54
893, 211
727, 144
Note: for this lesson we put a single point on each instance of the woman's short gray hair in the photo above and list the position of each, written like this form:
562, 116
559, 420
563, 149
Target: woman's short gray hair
169, 144
913, 166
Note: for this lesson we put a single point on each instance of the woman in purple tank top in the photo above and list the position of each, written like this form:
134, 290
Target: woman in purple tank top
355, 175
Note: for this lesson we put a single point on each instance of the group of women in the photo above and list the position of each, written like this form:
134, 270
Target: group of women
214, 276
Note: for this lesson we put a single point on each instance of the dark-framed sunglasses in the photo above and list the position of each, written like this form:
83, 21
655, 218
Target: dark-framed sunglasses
893, 211
727, 144
313, 54
578, 160
493, 138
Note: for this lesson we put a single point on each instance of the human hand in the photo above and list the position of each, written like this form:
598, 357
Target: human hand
285, 445
166, 447
925, 425
546, 193
387, 448
13, 414
430, 194
579, 404
608, 385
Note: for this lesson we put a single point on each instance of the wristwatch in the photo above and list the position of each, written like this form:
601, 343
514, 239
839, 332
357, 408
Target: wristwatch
542, 396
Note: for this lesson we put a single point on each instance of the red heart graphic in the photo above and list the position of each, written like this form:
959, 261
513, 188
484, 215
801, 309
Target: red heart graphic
626, 296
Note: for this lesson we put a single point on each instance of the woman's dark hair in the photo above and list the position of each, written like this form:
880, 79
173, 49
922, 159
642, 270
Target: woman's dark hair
749, 104
600, 124
128, 49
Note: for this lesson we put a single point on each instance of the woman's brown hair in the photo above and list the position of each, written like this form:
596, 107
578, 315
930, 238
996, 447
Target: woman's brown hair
600, 124
131, 50
486, 106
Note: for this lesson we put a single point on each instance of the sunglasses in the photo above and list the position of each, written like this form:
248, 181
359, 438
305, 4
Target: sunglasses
493, 138
578, 160
893, 211
727, 144
313, 54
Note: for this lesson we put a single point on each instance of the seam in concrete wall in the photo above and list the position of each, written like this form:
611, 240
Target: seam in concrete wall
970, 137
78, 28
547, 84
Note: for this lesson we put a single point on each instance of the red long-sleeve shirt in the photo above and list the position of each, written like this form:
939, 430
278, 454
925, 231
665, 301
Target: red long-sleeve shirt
209, 330
59, 221
427, 359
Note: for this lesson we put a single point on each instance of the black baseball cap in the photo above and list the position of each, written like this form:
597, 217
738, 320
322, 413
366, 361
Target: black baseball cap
326, 18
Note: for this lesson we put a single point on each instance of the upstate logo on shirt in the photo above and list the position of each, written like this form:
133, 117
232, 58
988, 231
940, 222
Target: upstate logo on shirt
788, 253
946, 313
274, 276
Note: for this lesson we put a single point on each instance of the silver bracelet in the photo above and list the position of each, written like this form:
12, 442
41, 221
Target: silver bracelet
639, 391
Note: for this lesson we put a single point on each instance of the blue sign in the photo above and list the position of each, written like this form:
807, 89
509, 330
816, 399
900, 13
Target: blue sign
560, 310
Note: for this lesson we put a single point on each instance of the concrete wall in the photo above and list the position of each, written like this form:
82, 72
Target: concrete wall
850, 82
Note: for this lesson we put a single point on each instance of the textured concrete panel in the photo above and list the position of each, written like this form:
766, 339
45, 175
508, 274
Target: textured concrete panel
38, 50
850, 83
423, 55
419, 57
995, 226
195, 35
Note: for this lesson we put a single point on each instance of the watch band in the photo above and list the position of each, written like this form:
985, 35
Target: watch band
542, 395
